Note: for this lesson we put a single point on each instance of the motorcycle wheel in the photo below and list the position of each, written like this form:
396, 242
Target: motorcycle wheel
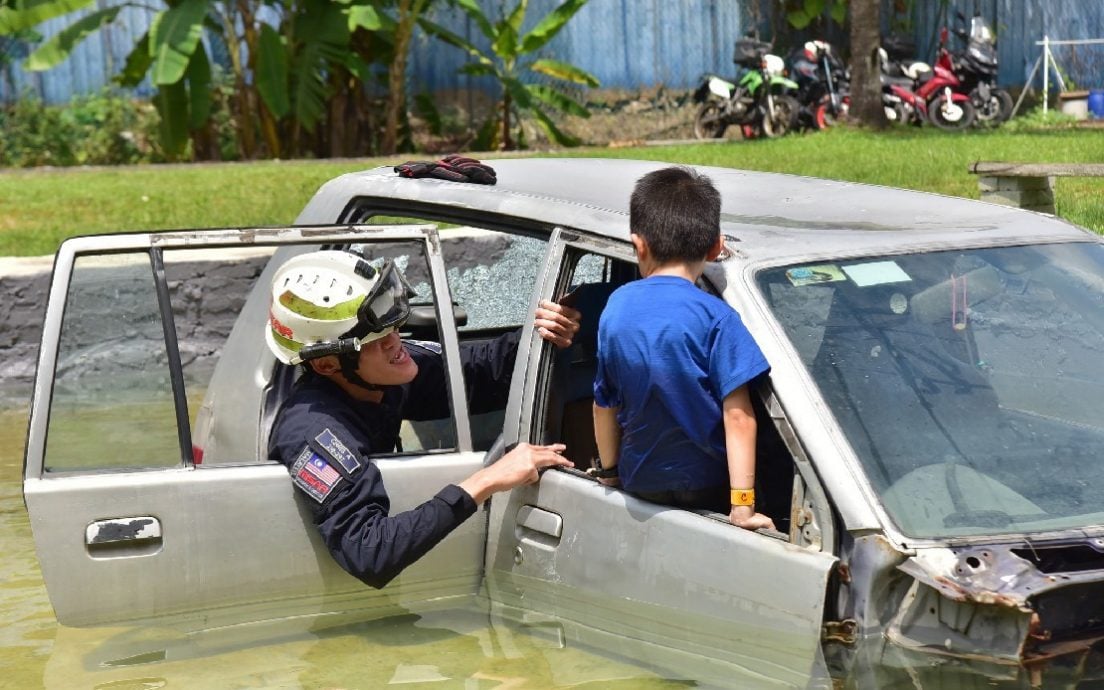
709, 122
953, 116
824, 117
783, 118
896, 113
996, 110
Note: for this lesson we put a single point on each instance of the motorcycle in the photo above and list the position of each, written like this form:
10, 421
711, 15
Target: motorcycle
822, 85
915, 93
976, 68
758, 102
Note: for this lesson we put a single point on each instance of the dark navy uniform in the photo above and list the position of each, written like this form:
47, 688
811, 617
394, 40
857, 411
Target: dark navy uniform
326, 440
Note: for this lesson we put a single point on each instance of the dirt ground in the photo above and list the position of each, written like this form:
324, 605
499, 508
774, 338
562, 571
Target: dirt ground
617, 118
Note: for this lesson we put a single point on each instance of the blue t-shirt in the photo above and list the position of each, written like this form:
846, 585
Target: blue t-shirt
668, 354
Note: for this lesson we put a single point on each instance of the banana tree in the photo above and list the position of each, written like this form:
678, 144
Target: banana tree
510, 55
280, 71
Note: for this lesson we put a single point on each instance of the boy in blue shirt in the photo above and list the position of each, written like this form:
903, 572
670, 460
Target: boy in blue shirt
672, 410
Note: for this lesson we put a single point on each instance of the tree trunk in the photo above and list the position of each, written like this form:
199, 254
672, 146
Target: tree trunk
866, 87
409, 11
507, 143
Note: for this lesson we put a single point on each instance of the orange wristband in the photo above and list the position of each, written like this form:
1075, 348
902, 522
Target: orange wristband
743, 497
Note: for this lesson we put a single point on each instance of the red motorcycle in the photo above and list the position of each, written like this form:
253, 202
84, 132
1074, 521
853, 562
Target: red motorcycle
912, 92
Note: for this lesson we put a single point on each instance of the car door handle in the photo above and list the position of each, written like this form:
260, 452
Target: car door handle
533, 519
121, 537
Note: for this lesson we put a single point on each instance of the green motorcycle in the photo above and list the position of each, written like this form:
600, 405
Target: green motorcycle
759, 102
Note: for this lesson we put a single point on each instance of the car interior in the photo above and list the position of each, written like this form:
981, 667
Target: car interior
568, 415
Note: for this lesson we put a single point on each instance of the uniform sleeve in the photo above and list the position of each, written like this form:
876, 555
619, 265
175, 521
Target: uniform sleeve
735, 358
488, 371
347, 497
373, 546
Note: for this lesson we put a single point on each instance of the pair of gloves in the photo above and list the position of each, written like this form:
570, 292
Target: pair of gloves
454, 168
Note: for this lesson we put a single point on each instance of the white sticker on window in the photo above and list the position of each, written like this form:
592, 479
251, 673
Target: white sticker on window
876, 273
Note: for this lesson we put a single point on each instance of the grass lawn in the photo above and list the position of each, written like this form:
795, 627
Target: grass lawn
38, 209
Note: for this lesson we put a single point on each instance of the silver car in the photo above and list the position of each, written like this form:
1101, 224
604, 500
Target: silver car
930, 434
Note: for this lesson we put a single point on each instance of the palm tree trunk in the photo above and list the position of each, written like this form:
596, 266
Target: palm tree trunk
409, 11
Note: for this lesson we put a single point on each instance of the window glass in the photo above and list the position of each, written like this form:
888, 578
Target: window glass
435, 428
968, 382
112, 405
567, 416
491, 273
491, 276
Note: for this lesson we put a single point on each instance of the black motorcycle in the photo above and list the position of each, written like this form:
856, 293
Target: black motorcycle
823, 87
976, 68
758, 102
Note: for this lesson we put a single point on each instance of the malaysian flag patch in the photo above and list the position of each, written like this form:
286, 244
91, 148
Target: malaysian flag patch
314, 475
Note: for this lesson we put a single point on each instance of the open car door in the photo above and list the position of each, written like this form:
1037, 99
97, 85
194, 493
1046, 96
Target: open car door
138, 511
704, 598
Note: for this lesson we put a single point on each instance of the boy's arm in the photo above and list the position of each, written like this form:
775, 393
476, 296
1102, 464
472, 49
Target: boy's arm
607, 435
739, 427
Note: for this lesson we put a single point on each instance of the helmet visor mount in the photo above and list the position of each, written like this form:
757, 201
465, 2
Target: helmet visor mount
386, 306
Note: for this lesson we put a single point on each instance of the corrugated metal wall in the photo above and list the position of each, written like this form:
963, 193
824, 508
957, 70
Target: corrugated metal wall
1018, 25
631, 44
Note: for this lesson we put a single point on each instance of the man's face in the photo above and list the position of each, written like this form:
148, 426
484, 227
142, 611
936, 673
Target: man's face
385, 362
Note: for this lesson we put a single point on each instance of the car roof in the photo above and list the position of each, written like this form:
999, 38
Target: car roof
772, 216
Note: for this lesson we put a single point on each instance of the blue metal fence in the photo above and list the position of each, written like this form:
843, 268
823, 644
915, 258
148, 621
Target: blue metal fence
629, 44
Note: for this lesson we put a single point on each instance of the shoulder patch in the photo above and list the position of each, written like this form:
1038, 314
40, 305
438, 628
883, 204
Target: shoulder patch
311, 473
338, 451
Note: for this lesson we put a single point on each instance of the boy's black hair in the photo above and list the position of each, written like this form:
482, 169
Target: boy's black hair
678, 213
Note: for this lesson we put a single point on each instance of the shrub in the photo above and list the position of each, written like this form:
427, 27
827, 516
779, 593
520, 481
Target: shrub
98, 129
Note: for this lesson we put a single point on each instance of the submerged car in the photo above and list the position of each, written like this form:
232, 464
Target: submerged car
930, 434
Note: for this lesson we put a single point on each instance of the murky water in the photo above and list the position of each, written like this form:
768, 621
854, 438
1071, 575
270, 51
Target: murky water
475, 646
472, 646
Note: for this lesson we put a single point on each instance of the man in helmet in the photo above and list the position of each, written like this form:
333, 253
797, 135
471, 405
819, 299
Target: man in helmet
338, 315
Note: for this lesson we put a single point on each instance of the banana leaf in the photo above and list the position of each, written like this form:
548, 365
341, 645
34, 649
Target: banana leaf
272, 72
557, 100
518, 16
547, 28
365, 17
198, 75
505, 43
60, 46
473, 10
564, 71
553, 132
441, 33
174, 35
31, 13
137, 64
325, 29
171, 101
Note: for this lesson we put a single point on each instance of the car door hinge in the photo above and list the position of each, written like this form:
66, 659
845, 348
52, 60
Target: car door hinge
845, 631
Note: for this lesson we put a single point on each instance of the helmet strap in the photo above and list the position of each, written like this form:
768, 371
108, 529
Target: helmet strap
349, 363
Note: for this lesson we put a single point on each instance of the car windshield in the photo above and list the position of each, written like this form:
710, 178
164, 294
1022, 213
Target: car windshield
969, 383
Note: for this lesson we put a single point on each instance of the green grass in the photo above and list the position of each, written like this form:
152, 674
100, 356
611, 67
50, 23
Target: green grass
38, 209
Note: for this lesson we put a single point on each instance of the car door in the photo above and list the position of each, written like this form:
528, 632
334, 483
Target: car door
137, 511
603, 559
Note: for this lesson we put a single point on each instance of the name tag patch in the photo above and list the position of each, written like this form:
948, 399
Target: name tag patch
314, 475
338, 452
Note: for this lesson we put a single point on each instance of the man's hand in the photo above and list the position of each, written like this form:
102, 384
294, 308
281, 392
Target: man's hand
519, 467
746, 517
557, 323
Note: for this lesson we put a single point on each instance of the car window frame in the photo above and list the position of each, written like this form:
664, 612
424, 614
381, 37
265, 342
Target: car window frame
155, 244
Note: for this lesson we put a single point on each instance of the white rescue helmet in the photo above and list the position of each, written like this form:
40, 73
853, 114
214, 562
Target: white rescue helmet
331, 302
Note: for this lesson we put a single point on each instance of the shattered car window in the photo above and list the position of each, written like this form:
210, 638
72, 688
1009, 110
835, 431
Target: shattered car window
969, 383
